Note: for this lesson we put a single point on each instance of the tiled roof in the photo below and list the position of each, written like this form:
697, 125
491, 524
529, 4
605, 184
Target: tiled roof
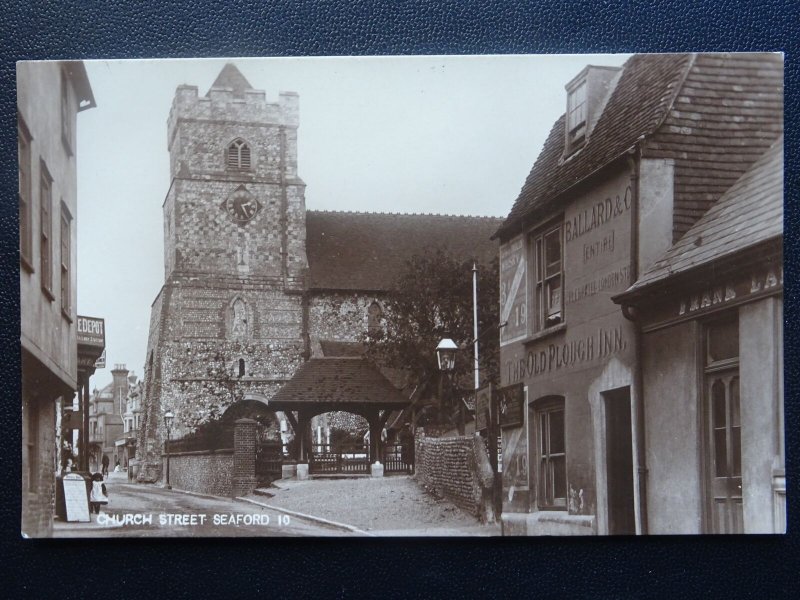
712, 114
231, 77
367, 251
636, 107
340, 349
749, 213
342, 381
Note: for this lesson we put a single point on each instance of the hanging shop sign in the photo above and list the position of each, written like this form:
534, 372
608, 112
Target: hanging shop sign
511, 405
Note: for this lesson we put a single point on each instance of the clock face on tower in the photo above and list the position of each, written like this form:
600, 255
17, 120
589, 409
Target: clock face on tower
241, 205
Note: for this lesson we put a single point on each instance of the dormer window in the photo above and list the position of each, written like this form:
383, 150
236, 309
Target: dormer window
238, 155
576, 117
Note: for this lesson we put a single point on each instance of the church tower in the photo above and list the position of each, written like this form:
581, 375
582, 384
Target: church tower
228, 321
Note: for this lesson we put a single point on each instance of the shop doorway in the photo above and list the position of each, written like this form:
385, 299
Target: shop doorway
619, 461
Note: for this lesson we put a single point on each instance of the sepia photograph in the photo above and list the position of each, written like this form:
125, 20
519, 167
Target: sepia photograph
402, 296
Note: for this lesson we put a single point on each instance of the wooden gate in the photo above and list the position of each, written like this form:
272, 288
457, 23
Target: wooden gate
340, 459
398, 458
269, 461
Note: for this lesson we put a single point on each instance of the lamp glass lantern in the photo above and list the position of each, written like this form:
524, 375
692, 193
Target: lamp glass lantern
168, 417
446, 355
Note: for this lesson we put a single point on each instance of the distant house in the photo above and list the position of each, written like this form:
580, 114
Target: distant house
622, 429
49, 96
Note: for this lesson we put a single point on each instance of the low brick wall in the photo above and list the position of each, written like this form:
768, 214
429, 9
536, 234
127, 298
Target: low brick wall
454, 468
206, 472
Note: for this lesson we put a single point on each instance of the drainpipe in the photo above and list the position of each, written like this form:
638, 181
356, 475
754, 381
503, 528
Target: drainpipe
630, 313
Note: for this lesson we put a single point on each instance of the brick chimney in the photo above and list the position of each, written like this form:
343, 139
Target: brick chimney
119, 388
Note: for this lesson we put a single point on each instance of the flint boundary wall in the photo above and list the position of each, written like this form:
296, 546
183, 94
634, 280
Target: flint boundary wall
456, 469
205, 472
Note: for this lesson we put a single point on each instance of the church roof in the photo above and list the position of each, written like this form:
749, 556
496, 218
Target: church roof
749, 213
338, 381
367, 251
231, 77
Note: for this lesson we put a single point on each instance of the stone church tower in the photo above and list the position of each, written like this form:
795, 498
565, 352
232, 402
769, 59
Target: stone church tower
228, 321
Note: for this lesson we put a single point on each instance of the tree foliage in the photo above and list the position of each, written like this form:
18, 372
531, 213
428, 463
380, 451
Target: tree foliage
430, 300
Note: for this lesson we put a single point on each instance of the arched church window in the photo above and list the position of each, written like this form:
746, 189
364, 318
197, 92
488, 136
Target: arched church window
374, 318
241, 367
238, 155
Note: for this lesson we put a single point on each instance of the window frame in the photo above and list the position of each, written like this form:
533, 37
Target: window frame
576, 129
25, 193
544, 318
543, 408
65, 260
67, 129
46, 230
243, 154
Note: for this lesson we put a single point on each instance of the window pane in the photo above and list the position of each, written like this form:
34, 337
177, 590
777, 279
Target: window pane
718, 404
723, 340
736, 451
556, 432
543, 434
720, 453
735, 417
552, 253
559, 477
554, 298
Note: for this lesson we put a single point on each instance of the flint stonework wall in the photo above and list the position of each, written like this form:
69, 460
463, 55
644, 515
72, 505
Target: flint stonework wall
447, 467
208, 472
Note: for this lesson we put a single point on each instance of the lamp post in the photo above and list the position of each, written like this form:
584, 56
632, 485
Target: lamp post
168, 417
446, 357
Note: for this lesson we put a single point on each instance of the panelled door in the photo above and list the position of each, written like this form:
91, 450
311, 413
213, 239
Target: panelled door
723, 427
725, 452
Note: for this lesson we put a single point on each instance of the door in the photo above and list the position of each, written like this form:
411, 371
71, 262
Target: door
619, 461
725, 452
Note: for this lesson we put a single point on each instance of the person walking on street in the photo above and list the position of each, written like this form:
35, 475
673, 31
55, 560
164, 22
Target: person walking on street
105, 465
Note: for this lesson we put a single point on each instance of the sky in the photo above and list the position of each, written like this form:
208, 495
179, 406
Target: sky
421, 134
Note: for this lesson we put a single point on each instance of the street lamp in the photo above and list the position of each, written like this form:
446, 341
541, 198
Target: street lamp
446, 355
168, 417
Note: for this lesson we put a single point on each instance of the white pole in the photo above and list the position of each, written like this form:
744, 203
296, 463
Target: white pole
475, 322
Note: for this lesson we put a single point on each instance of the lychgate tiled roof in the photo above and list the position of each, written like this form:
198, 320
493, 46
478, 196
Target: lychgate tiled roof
749, 213
340, 349
341, 381
636, 107
367, 251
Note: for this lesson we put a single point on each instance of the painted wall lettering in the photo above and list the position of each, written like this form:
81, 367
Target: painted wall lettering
603, 283
708, 298
602, 344
600, 213
513, 291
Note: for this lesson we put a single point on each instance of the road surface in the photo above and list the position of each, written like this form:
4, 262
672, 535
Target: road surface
141, 510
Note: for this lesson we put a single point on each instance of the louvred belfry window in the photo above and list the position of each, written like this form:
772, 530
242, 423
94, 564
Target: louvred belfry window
238, 155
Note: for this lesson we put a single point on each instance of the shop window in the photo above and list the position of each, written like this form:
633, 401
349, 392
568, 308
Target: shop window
33, 448
238, 155
576, 116
46, 231
548, 278
25, 202
66, 250
551, 457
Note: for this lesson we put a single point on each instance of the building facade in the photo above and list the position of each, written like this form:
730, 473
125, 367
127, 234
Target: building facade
641, 153
49, 97
711, 316
254, 284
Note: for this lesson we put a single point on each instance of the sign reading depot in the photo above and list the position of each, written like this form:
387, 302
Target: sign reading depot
91, 331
